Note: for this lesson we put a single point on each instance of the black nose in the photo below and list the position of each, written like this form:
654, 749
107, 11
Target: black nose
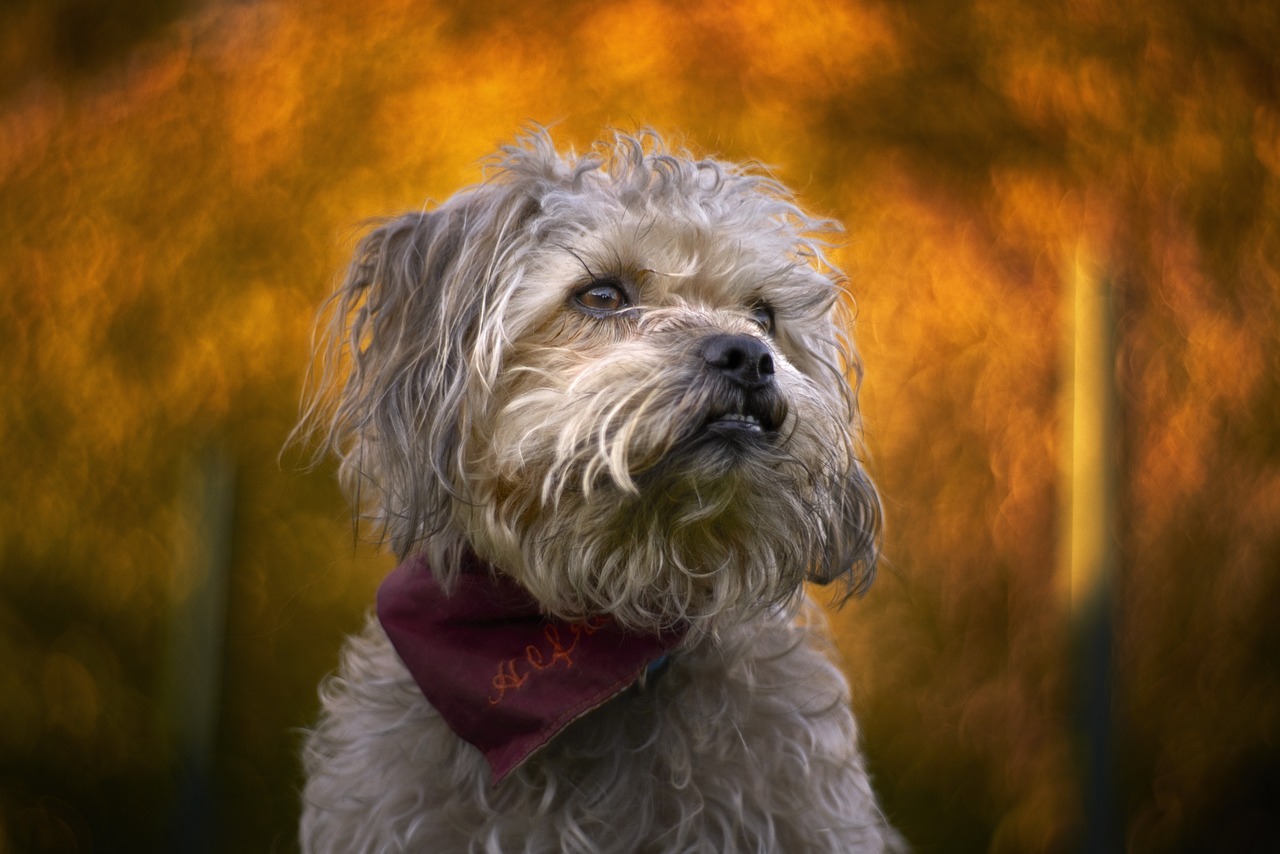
742, 358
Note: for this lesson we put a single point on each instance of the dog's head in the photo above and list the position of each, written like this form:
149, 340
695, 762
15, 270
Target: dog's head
621, 378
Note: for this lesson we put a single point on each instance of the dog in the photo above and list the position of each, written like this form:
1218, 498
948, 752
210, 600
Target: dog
599, 406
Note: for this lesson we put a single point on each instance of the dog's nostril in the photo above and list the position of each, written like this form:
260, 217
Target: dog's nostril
742, 358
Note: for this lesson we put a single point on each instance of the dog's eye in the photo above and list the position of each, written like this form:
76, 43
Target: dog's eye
602, 297
762, 314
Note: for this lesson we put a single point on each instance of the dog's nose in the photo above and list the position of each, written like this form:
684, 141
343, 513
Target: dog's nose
742, 358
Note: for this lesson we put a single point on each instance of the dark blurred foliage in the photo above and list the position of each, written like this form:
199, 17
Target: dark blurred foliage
179, 183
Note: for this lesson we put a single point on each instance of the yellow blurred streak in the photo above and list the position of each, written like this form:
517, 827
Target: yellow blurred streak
1088, 544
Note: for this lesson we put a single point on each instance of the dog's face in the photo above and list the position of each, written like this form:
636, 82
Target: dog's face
620, 379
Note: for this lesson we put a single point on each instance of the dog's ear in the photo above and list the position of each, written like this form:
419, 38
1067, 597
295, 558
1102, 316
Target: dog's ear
400, 359
853, 546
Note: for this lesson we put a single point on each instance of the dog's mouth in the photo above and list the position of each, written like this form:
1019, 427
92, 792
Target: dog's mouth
753, 415
739, 421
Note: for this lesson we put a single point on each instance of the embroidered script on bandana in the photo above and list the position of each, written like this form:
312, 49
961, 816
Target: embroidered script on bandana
505, 677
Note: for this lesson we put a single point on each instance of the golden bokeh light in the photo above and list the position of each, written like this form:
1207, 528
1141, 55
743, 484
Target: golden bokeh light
178, 189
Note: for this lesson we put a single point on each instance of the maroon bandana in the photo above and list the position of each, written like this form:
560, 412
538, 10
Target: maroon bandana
505, 677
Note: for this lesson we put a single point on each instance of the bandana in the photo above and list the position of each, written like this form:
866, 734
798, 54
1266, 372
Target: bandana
504, 676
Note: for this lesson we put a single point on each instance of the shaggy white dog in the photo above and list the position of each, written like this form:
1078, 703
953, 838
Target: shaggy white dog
599, 407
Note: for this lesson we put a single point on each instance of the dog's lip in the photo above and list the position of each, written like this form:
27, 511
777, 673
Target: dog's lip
754, 415
738, 420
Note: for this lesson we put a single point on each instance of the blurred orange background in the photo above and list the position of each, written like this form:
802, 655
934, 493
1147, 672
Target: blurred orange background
180, 181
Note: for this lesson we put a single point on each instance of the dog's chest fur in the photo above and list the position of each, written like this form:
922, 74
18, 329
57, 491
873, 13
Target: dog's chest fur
744, 744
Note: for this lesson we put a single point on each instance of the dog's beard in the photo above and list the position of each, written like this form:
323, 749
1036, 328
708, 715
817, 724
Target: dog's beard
634, 482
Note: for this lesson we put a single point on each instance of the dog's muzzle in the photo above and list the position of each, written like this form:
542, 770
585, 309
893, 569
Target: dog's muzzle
751, 402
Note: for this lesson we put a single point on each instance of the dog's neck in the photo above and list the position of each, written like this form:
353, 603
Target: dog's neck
504, 676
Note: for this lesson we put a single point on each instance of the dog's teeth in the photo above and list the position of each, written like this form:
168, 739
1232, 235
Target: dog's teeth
741, 417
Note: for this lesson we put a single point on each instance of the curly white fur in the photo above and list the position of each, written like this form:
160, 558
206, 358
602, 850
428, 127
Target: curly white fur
746, 745
481, 403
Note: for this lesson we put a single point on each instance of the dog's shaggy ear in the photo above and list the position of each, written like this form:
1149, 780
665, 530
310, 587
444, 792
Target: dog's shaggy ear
400, 354
854, 547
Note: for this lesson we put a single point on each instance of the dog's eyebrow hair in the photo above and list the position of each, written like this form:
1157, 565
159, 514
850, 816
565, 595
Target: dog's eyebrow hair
584, 264
596, 277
